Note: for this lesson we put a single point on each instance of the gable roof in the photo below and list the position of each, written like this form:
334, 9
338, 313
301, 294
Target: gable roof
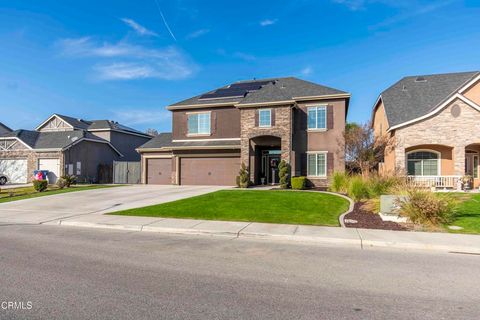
53, 139
92, 125
4, 128
275, 90
416, 96
164, 141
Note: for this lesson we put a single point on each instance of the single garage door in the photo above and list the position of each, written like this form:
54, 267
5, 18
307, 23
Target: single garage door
53, 167
209, 171
159, 171
15, 170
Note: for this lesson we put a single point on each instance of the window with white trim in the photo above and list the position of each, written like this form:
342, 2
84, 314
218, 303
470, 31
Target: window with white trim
265, 118
317, 164
199, 123
317, 117
423, 163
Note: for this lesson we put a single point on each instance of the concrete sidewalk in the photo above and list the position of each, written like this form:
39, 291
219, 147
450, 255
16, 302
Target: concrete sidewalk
361, 238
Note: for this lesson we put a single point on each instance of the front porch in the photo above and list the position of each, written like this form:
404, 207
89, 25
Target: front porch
443, 167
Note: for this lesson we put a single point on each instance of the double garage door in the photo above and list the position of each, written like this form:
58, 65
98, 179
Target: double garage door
220, 171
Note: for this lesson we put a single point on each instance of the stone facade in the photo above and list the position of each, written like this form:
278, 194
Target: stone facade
456, 126
281, 129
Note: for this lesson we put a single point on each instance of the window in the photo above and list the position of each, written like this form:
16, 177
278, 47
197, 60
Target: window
423, 163
317, 164
199, 123
317, 117
265, 118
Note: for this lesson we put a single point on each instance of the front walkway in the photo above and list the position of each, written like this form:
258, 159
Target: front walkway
98, 201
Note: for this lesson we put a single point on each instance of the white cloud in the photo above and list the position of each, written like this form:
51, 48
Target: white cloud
268, 22
131, 61
307, 71
352, 4
197, 33
136, 116
141, 30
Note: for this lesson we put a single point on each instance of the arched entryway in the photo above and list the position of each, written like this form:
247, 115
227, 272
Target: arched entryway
266, 155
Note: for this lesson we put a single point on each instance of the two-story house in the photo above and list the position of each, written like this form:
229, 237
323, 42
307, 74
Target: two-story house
433, 120
255, 122
67, 145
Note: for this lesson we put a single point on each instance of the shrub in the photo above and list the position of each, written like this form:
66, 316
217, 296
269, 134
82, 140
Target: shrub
380, 185
299, 183
243, 177
284, 174
61, 183
357, 188
40, 185
425, 207
69, 180
340, 182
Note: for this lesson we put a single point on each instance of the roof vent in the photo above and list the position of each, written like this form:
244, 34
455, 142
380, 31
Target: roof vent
420, 79
404, 88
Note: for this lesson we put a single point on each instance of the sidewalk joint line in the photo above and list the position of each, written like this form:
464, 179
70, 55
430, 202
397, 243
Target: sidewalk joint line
238, 233
360, 237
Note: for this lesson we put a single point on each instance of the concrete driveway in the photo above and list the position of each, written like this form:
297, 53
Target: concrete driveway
99, 201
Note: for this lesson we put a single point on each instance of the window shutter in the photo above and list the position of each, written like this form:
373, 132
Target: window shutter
329, 117
272, 114
213, 124
330, 163
256, 118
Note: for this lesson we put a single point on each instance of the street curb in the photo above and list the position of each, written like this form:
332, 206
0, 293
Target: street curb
360, 243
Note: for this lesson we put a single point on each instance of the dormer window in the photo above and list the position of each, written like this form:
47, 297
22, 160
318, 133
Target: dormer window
265, 118
317, 118
199, 123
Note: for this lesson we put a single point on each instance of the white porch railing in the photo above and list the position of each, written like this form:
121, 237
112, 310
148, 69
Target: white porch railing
434, 181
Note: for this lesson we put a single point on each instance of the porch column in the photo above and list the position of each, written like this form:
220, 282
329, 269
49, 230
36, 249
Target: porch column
459, 160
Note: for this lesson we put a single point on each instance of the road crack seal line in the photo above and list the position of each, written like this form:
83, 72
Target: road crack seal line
238, 233
360, 237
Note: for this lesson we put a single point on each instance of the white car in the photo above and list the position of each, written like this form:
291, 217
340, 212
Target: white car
3, 179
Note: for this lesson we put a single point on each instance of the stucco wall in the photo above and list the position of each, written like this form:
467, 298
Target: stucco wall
473, 93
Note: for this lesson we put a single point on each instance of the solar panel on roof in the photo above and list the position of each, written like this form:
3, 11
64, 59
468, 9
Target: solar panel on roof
225, 93
254, 85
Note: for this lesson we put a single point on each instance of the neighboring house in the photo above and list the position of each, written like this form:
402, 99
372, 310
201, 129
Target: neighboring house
435, 123
4, 129
65, 145
256, 122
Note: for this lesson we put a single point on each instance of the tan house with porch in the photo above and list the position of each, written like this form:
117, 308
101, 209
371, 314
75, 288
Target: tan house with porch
435, 123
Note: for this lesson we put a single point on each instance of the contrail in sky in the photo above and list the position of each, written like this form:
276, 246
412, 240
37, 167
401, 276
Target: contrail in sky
165, 21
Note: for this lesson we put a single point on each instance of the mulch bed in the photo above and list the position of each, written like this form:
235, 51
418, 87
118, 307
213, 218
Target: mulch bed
370, 220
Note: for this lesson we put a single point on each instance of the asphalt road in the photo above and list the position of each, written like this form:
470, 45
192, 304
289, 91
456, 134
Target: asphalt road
74, 273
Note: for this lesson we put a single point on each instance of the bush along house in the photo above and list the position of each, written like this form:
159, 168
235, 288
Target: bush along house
433, 120
65, 145
254, 122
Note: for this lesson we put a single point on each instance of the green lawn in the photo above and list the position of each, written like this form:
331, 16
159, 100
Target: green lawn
7, 195
290, 207
468, 213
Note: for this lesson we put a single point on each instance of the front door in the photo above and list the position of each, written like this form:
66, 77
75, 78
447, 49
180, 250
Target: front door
270, 162
471, 165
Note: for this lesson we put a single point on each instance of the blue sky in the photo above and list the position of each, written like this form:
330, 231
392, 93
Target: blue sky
127, 60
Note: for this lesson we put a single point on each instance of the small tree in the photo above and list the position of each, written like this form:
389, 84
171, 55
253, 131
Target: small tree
284, 174
363, 150
243, 177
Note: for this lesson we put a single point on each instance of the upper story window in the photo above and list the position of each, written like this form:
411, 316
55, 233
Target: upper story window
317, 118
265, 118
199, 123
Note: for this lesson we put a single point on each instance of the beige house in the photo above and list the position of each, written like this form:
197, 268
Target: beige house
435, 122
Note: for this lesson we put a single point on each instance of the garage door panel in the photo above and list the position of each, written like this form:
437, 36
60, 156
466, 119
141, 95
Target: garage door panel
209, 171
159, 171
15, 170
52, 166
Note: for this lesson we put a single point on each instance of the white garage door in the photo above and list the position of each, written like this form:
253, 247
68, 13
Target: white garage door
53, 166
14, 169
